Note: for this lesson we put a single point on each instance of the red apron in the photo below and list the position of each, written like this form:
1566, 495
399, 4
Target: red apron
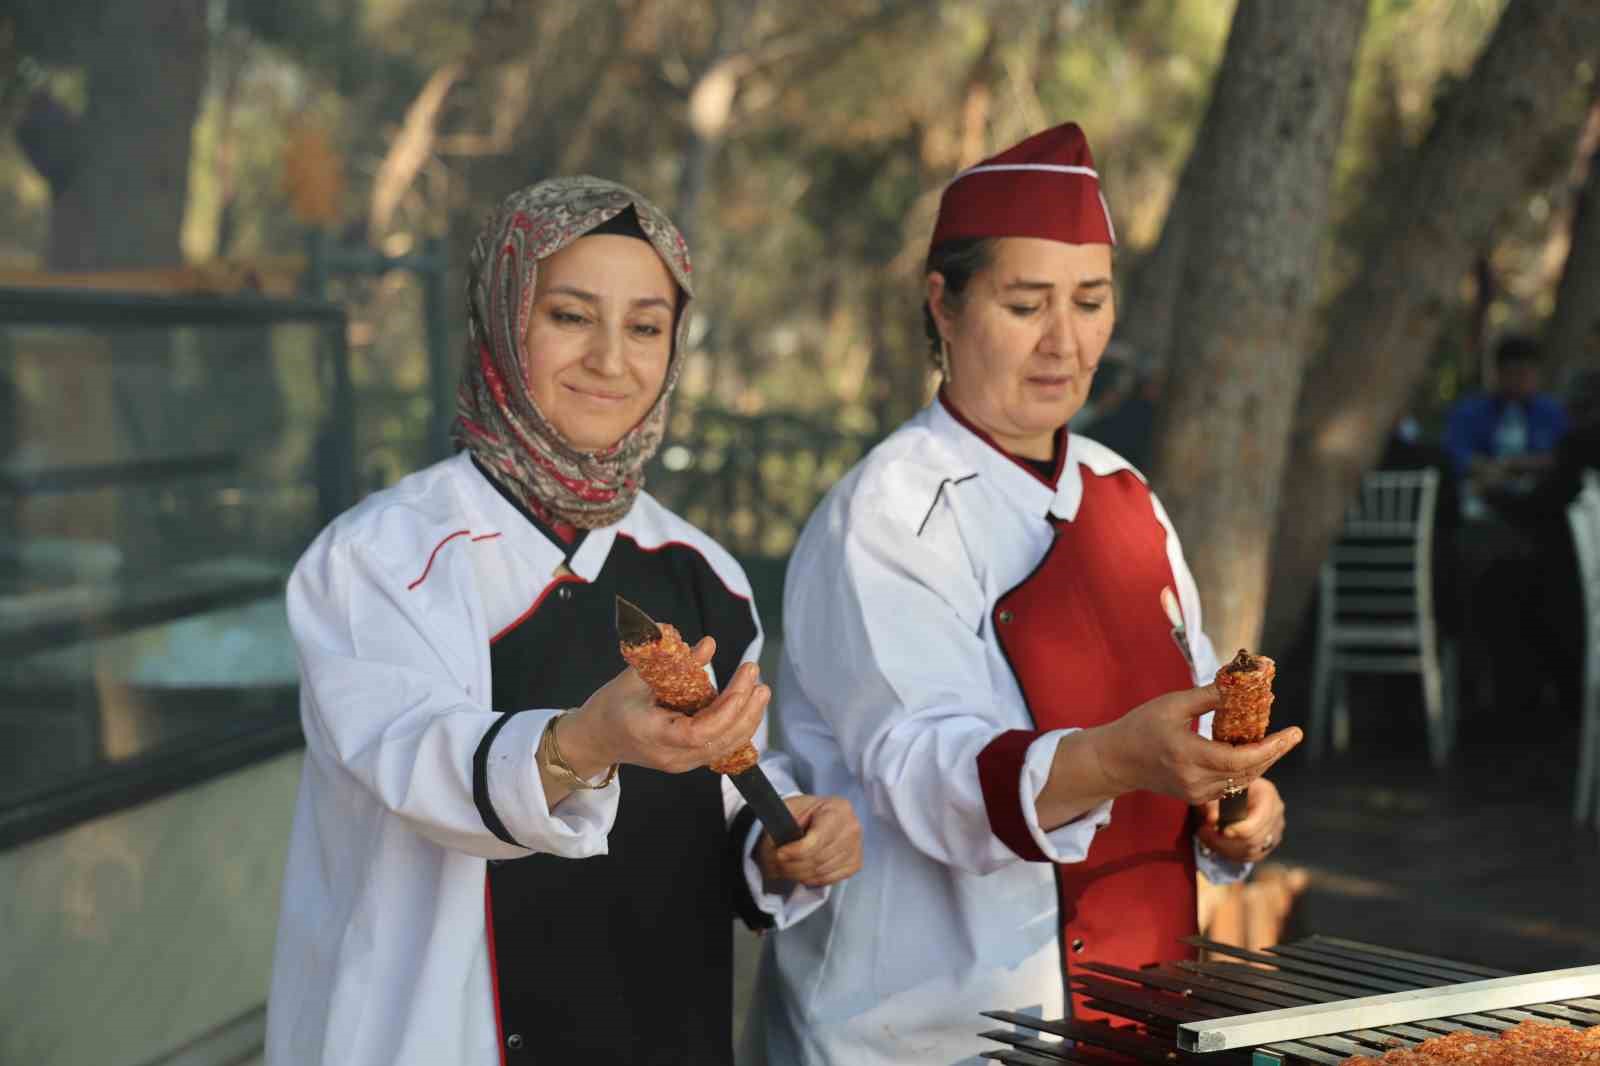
1088, 640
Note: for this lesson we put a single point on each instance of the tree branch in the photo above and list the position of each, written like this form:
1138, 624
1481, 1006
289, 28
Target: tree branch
410, 150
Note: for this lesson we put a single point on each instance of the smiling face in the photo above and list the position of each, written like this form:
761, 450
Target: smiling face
1025, 338
600, 337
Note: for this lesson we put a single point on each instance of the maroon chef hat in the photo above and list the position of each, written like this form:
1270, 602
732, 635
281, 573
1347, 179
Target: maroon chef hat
1044, 187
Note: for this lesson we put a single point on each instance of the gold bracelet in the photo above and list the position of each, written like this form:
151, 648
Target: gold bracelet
549, 756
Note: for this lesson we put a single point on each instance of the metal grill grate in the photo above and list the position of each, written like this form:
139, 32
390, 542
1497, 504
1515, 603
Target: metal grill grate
1316, 970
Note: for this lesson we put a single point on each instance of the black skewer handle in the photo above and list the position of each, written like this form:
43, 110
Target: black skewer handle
1232, 807
768, 806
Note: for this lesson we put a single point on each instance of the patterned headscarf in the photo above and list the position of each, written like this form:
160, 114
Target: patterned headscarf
496, 417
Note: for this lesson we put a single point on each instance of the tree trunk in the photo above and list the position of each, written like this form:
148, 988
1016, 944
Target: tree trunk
1146, 315
1572, 336
1259, 210
123, 204
117, 202
1439, 210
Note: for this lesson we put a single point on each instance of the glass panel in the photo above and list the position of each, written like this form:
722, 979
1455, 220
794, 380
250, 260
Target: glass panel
164, 689
156, 485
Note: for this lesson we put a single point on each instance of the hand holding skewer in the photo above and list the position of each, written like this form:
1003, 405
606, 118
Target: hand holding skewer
1154, 747
623, 723
1252, 837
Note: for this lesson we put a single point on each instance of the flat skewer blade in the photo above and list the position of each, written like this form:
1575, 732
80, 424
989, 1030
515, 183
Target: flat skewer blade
634, 627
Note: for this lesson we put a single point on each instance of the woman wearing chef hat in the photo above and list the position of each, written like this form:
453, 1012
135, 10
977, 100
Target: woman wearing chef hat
992, 647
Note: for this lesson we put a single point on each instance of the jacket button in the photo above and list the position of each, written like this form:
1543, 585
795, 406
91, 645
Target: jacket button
1077, 943
1005, 617
514, 1041
564, 592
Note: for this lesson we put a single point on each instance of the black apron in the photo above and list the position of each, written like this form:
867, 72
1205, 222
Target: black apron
624, 958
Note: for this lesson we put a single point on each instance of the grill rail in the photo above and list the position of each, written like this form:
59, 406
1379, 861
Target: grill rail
1183, 1007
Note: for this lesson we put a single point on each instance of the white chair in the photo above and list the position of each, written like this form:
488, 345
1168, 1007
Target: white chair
1376, 608
1583, 516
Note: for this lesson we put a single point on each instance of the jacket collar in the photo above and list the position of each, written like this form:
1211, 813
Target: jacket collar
1016, 481
523, 535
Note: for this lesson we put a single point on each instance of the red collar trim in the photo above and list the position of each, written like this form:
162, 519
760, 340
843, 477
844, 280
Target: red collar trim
1060, 442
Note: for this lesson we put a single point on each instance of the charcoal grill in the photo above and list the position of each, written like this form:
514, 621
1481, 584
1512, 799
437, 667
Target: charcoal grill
1252, 1007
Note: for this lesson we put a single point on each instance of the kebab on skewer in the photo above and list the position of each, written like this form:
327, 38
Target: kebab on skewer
1243, 713
660, 655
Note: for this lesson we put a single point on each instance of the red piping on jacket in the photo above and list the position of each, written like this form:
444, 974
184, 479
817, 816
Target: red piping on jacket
433, 554
436, 547
685, 544
494, 968
564, 579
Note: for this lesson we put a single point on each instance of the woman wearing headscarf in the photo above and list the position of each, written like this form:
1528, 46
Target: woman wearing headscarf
992, 648
503, 850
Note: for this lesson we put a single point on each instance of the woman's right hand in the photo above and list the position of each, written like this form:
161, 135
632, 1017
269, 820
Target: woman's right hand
1154, 747
621, 723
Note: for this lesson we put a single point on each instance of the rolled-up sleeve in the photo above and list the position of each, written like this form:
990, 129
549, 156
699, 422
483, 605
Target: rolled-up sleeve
379, 699
782, 909
1012, 772
764, 909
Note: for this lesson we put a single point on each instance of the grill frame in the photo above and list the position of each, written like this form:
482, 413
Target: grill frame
1233, 985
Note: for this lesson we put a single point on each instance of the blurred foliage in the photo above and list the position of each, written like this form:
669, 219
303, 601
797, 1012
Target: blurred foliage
751, 481
804, 145
313, 176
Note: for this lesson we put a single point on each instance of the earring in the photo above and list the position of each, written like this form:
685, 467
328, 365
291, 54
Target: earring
944, 358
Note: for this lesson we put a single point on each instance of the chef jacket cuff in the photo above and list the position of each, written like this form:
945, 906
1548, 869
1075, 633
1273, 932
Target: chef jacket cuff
1012, 771
1217, 869
511, 800
778, 910
1065, 843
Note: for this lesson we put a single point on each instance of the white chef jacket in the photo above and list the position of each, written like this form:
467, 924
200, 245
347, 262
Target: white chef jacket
382, 956
892, 682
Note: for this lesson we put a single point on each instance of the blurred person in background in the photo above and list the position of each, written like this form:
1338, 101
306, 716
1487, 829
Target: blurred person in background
504, 851
978, 654
1498, 441
1549, 608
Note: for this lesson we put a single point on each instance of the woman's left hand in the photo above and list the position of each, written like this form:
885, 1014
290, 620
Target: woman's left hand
830, 850
1255, 836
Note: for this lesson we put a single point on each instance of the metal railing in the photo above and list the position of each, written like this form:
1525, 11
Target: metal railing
751, 481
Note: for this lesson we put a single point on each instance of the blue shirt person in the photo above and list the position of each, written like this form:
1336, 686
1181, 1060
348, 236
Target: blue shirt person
1499, 440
